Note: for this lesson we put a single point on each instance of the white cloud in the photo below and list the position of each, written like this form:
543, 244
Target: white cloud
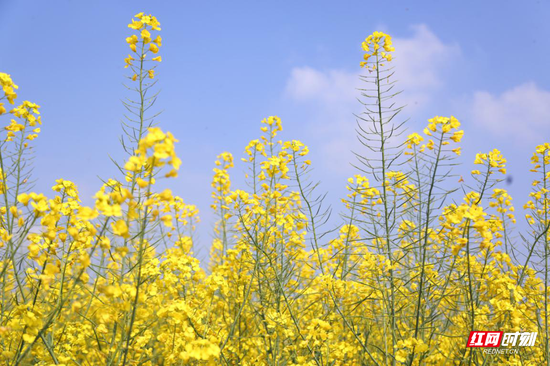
420, 62
328, 87
520, 114
421, 59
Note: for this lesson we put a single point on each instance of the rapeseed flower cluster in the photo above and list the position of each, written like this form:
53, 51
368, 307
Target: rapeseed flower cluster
379, 45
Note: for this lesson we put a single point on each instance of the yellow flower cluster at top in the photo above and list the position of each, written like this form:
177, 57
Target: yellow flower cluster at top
163, 153
361, 192
539, 201
142, 43
443, 126
541, 155
8, 87
493, 159
27, 113
273, 124
372, 45
221, 182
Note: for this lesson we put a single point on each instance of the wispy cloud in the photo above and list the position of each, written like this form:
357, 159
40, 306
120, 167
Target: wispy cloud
519, 115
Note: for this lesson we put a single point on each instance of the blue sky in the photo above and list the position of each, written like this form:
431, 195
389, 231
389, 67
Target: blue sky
228, 65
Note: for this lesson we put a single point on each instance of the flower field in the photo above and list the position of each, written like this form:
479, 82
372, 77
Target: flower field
408, 274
